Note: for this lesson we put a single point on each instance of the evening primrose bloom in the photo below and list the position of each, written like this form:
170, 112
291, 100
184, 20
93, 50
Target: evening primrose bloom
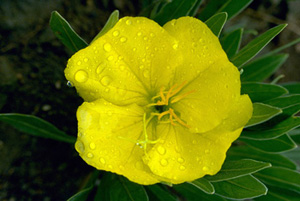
161, 104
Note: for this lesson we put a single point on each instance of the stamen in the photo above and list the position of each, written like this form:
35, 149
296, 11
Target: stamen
178, 98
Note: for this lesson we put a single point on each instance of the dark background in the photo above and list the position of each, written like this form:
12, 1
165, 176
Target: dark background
32, 81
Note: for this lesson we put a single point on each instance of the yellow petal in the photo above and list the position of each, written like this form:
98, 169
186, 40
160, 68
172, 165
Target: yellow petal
212, 79
183, 156
107, 137
128, 64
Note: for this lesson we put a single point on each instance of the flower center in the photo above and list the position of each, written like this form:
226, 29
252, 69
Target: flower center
164, 101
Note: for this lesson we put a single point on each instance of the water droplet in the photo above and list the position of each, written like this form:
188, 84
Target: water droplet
121, 167
194, 142
123, 39
109, 113
145, 38
201, 40
79, 63
207, 151
161, 150
134, 49
128, 22
79, 146
81, 76
116, 33
142, 67
90, 155
139, 33
182, 167
107, 90
122, 67
146, 74
180, 160
164, 162
107, 47
205, 168
102, 160
105, 80
121, 92
92, 145
110, 58
85, 59
152, 34
70, 84
175, 46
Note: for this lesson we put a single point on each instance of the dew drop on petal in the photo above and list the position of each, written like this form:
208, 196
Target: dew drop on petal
90, 155
107, 47
81, 76
139, 33
105, 80
110, 58
145, 38
161, 150
180, 160
142, 67
146, 74
205, 168
92, 145
80, 146
175, 46
79, 63
110, 166
116, 33
164, 162
207, 151
182, 167
128, 22
70, 84
102, 160
122, 67
123, 39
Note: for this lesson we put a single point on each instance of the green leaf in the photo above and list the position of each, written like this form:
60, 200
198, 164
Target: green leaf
231, 42
262, 113
255, 46
245, 187
239, 168
234, 7
203, 185
281, 177
195, 9
273, 131
211, 8
279, 194
284, 102
159, 193
83, 194
216, 23
36, 127
292, 87
174, 10
242, 152
286, 45
280, 144
63, 30
259, 92
117, 188
112, 20
295, 134
262, 68
192, 193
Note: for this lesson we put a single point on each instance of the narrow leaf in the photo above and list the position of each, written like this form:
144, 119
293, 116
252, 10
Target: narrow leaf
112, 20
160, 194
259, 92
63, 30
231, 42
262, 113
192, 193
279, 194
273, 131
292, 87
211, 8
36, 127
262, 68
234, 169
195, 8
203, 185
174, 10
281, 177
256, 45
234, 7
216, 23
243, 152
280, 144
245, 187
283, 102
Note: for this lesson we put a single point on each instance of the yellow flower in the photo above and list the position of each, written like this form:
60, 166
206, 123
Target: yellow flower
162, 104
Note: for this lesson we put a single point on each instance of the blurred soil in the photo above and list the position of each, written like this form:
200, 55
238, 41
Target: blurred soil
32, 61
